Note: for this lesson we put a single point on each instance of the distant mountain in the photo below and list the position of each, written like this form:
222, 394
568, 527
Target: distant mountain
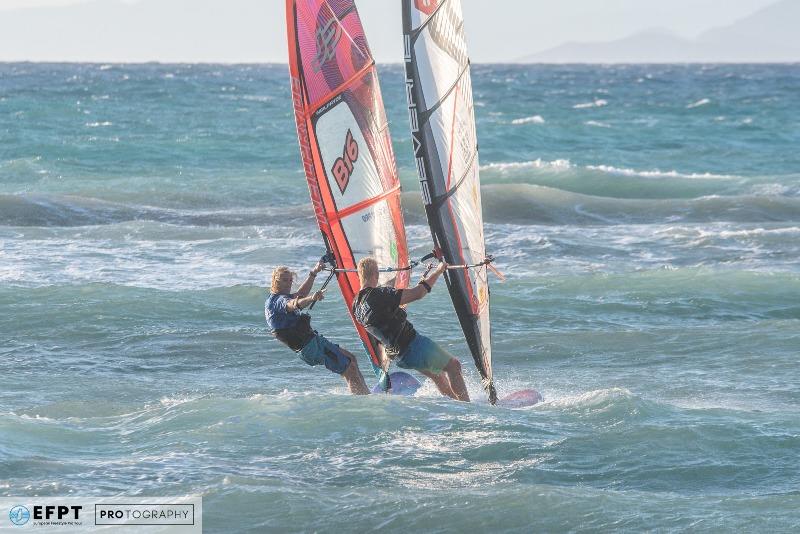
650, 46
772, 34
769, 35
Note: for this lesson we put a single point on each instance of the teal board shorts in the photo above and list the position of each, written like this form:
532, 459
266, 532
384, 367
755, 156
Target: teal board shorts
320, 351
423, 354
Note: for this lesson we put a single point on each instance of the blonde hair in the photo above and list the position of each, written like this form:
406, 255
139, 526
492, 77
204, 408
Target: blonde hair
278, 281
367, 268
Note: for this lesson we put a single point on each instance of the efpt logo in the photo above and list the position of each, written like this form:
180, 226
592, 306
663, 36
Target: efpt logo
19, 515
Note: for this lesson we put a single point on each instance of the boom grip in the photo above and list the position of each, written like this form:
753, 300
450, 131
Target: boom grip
327, 258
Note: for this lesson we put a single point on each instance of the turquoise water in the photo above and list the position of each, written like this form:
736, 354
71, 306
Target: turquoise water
647, 219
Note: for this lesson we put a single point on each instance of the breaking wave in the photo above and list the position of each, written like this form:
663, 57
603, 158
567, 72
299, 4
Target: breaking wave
699, 103
66, 210
536, 119
599, 103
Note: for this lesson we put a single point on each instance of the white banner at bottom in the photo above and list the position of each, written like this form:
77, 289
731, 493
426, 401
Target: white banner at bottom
123, 515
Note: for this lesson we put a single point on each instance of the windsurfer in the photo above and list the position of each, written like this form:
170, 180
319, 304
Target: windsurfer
292, 328
379, 309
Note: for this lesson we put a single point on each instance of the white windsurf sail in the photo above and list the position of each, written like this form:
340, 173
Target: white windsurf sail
439, 91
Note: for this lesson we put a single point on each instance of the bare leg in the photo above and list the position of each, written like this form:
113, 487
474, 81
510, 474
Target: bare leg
352, 375
442, 383
453, 371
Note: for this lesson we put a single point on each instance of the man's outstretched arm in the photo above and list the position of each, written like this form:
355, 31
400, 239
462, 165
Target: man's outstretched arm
305, 287
419, 291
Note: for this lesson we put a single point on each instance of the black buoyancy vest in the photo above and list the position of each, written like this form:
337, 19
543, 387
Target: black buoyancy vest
388, 324
296, 337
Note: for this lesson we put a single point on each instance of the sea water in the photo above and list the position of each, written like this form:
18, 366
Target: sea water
647, 219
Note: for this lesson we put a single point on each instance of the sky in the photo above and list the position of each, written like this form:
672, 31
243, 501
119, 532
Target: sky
233, 31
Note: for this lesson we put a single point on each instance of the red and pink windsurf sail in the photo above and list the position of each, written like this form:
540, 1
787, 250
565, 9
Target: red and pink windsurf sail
345, 144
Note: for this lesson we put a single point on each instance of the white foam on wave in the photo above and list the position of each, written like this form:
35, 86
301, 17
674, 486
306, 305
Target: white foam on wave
598, 103
597, 124
565, 164
656, 173
589, 399
700, 235
699, 103
258, 98
11, 274
98, 124
560, 164
758, 232
230, 95
775, 190
132, 254
34, 417
170, 402
536, 119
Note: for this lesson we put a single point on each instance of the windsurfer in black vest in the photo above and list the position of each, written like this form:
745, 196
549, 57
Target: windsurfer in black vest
380, 311
292, 328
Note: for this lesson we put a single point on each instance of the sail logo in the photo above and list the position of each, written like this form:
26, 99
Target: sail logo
328, 36
343, 167
415, 133
19, 515
426, 6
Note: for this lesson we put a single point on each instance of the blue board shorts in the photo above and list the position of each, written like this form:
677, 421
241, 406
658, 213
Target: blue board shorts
423, 354
320, 351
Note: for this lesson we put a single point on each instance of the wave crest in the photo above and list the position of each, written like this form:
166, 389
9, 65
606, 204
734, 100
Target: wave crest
598, 103
536, 119
699, 103
67, 210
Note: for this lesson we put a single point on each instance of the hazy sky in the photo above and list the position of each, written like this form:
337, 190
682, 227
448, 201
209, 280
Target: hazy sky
253, 30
